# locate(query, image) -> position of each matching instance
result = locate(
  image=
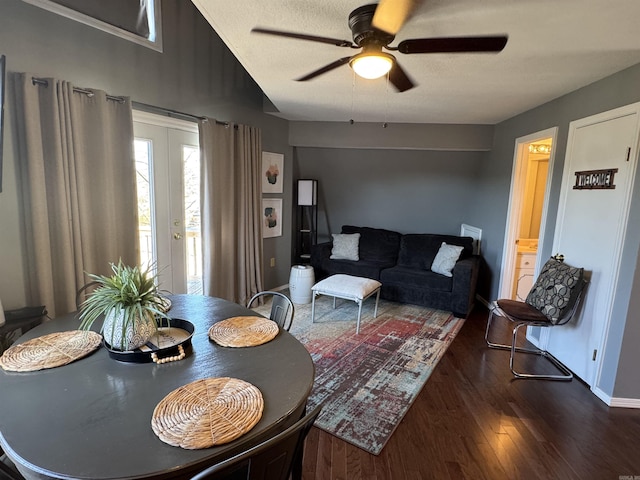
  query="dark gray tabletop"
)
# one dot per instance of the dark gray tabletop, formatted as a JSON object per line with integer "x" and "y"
{"x": 91, "y": 419}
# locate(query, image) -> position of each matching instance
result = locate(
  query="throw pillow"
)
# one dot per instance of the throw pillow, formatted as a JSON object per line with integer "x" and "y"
{"x": 555, "y": 289}
{"x": 446, "y": 259}
{"x": 345, "y": 246}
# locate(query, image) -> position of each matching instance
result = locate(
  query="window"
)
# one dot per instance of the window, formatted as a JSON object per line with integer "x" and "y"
{"x": 136, "y": 20}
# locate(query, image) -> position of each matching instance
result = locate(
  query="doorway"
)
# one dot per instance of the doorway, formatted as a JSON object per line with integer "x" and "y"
{"x": 167, "y": 159}
{"x": 526, "y": 217}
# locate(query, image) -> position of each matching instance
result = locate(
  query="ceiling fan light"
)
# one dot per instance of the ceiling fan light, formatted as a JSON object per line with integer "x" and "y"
{"x": 372, "y": 65}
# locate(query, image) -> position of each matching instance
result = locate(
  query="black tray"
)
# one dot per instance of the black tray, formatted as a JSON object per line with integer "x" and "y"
{"x": 175, "y": 333}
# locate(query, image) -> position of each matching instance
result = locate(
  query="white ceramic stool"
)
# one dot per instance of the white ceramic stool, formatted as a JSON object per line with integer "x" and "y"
{"x": 301, "y": 280}
{"x": 348, "y": 287}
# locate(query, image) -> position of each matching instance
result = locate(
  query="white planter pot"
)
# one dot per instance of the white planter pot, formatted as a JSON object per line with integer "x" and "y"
{"x": 135, "y": 335}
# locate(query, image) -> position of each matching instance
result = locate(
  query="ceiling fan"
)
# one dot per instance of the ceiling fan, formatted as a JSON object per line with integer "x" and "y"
{"x": 374, "y": 27}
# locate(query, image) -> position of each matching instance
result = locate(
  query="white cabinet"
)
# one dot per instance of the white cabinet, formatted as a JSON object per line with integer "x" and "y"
{"x": 523, "y": 279}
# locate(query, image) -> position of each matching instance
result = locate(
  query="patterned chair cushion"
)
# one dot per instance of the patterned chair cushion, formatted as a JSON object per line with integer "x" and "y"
{"x": 556, "y": 289}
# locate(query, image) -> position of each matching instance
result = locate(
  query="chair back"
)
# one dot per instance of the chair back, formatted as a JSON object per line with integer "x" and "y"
{"x": 272, "y": 459}
{"x": 282, "y": 309}
{"x": 84, "y": 291}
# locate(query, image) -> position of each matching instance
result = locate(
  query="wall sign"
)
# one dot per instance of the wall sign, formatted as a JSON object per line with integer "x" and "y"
{"x": 595, "y": 179}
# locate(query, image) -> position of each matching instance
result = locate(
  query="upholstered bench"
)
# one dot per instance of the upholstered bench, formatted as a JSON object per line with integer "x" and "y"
{"x": 348, "y": 287}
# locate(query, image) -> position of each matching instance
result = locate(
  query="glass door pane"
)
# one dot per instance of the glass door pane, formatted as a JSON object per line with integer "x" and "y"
{"x": 144, "y": 174}
{"x": 191, "y": 172}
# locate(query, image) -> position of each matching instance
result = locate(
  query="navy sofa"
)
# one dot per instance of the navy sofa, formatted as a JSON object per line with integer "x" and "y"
{"x": 402, "y": 263}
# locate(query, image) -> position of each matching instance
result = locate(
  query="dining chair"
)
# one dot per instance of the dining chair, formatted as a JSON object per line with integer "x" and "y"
{"x": 82, "y": 292}
{"x": 7, "y": 471}
{"x": 273, "y": 459}
{"x": 552, "y": 302}
{"x": 282, "y": 309}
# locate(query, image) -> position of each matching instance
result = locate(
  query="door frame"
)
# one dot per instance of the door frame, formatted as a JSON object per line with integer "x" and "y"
{"x": 518, "y": 179}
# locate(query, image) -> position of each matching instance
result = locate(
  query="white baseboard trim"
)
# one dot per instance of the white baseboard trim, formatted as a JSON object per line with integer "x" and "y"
{"x": 606, "y": 398}
{"x": 616, "y": 401}
{"x": 625, "y": 402}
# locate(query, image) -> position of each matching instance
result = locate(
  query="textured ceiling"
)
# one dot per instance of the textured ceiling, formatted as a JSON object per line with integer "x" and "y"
{"x": 554, "y": 48}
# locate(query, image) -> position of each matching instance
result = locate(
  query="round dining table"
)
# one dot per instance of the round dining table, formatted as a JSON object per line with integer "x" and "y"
{"x": 91, "y": 419}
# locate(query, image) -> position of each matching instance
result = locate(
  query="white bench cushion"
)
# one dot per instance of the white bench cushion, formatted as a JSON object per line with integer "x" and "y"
{"x": 346, "y": 286}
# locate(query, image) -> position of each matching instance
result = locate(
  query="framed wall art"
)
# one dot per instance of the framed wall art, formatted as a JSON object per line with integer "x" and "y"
{"x": 272, "y": 172}
{"x": 271, "y": 217}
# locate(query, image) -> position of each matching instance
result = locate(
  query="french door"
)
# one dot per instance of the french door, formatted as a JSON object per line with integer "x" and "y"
{"x": 168, "y": 178}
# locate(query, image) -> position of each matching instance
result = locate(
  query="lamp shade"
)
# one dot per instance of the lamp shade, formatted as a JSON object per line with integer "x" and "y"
{"x": 307, "y": 192}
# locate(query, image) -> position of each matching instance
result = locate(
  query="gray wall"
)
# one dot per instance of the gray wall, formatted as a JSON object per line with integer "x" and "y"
{"x": 410, "y": 191}
{"x": 195, "y": 74}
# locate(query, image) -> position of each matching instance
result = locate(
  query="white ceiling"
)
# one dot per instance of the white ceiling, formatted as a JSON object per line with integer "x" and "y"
{"x": 554, "y": 47}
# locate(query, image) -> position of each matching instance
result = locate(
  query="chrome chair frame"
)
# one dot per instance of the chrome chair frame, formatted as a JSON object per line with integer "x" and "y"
{"x": 281, "y": 305}
{"x": 566, "y": 374}
{"x": 273, "y": 459}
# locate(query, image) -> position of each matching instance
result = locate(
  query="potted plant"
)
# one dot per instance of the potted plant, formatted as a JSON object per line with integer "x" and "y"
{"x": 131, "y": 305}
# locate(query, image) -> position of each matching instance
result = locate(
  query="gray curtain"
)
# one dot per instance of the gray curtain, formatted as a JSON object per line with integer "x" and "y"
{"x": 230, "y": 206}
{"x": 78, "y": 186}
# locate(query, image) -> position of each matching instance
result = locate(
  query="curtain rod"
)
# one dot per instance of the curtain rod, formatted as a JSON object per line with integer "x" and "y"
{"x": 140, "y": 105}
{"x": 169, "y": 112}
{"x": 88, "y": 93}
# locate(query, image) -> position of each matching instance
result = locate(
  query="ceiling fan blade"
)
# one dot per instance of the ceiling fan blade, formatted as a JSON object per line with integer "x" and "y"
{"x": 302, "y": 36}
{"x": 453, "y": 44}
{"x": 391, "y": 15}
{"x": 325, "y": 69}
{"x": 399, "y": 78}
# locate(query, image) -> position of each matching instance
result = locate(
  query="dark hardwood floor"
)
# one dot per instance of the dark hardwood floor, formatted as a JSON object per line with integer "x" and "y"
{"x": 473, "y": 420}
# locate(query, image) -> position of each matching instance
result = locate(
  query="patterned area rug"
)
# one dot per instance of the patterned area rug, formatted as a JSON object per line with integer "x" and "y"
{"x": 368, "y": 381}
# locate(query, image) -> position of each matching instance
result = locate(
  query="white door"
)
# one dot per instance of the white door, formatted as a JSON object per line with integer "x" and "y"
{"x": 168, "y": 173}
{"x": 590, "y": 230}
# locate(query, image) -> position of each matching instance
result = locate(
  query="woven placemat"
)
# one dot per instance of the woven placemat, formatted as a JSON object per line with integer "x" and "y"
{"x": 207, "y": 412}
{"x": 243, "y": 331}
{"x": 49, "y": 351}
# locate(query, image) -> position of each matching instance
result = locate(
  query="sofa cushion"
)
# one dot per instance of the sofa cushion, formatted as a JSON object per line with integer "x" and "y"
{"x": 446, "y": 259}
{"x": 361, "y": 268}
{"x": 345, "y": 246}
{"x": 411, "y": 278}
{"x": 376, "y": 244}
{"x": 418, "y": 250}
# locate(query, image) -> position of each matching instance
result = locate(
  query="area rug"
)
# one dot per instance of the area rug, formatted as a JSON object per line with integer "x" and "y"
{"x": 368, "y": 381}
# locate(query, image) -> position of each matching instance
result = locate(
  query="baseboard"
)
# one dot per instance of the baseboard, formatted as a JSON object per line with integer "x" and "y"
{"x": 280, "y": 288}
{"x": 625, "y": 402}
{"x": 616, "y": 401}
